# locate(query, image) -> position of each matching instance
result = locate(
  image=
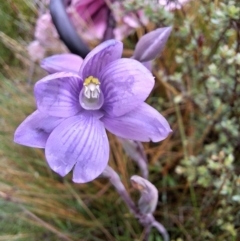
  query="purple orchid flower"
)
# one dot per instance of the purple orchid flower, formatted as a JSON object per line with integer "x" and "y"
{"x": 148, "y": 48}
{"x": 73, "y": 111}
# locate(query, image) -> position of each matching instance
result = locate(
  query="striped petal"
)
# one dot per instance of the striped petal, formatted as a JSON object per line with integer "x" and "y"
{"x": 80, "y": 141}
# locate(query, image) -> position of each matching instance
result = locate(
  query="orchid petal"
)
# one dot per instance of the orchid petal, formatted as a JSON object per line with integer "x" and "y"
{"x": 61, "y": 63}
{"x": 126, "y": 83}
{"x": 142, "y": 124}
{"x": 151, "y": 44}
{"x": 100, "y": 57}
{"x": 35, "y": 129}
{"x": 81, "y": 141}
{"x": 57, "y": 94}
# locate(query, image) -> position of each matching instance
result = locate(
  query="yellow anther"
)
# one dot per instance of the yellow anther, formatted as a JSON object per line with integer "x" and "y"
{"x": 87, "y": 81}
{"x": 95, "y": 81}
{"x": 90, "y": 80}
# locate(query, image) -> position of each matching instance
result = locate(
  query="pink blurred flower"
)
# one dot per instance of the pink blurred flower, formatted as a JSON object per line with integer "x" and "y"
{"x": 127, "y": 22}
{"x": 46, "y": 39}
{"x": 36, "y": 51}
{"x": 45, "y": 31}
{"x": 172, "y": 4}
{"x": 89, "y": 17}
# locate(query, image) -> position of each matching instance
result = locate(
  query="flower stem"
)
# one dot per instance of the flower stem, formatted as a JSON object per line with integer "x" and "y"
{"x": 146, "y": 220}
{"x": 135, "y": 150}
{"x": 142, "y": 161}
{"x": 116, "y": 182}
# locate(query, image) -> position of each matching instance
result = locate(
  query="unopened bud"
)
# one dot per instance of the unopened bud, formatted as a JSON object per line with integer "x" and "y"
{"x": 149, "y": 194}
{"x": 151, "y": 44}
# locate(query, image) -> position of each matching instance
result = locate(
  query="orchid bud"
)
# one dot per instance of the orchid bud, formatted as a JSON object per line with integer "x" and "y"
{"x": 62, "y": 63}
{"x": 149, "y": 194}
{"x": 151, "y": 44}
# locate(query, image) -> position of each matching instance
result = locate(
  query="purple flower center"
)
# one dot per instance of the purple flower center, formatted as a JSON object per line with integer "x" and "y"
{"x": 91, "y": 97}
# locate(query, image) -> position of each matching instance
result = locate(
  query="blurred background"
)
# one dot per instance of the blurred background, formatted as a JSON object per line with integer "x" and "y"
{"x": 196, "y": 169}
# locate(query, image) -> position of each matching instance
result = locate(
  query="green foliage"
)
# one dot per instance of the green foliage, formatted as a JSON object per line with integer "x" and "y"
{"x": 17, "y": 19}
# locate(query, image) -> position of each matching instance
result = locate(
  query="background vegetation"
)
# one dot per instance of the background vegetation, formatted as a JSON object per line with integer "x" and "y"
{"x": 196, "y": 170}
